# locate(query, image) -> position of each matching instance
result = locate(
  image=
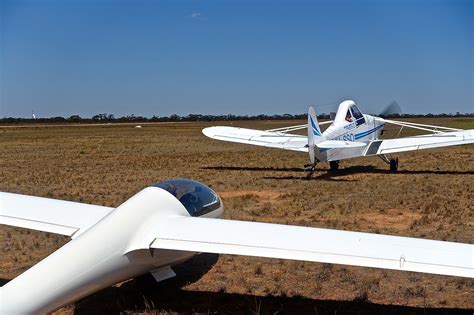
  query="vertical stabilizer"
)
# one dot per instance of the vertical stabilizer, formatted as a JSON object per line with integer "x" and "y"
{"x": 314, "y": 134}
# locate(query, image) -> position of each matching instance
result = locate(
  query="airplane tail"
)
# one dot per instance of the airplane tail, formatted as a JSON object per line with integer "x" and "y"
{"x": 314, "y": 134}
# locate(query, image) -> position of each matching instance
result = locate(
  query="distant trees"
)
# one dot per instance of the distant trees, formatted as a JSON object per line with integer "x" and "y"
{"x": 75, "y": 118}
{"x": 104, "y": 117}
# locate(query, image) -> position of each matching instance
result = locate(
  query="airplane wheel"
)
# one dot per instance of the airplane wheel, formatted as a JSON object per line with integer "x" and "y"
{"x": 334, "y": 165}
{"x": 393, "y": 165}
{"x": 310, "y": 171}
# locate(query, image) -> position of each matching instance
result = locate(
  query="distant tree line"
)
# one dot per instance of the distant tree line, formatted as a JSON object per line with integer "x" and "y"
{"x": 110, "y": 118}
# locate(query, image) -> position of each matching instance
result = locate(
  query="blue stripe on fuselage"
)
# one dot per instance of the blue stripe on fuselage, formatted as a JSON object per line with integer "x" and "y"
{"x": 366, "y": 133}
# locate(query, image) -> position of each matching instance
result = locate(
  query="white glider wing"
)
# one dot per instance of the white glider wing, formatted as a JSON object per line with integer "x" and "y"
{"x": 314, "y": 244}
{"x": 430, "y": 141}
{"x": 49, "y": 215}
{"x": 270, "y": 139}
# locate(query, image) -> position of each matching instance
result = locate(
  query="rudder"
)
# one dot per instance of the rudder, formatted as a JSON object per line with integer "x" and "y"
{"x": 314, "y": 134}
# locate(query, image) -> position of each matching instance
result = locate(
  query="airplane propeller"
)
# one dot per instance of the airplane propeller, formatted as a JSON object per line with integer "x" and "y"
{"x": 391, "y": 109}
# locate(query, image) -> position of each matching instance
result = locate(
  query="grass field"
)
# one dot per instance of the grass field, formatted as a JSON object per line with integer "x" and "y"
{"x": 430, "y": 197}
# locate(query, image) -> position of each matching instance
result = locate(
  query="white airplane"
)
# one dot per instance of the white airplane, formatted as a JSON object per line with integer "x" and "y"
{"x": 351, "y": 134}
{"x": 170, "y": 222}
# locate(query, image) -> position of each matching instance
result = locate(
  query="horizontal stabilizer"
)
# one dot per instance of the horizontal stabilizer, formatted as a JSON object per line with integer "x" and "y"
{"x": 336, "y": 144}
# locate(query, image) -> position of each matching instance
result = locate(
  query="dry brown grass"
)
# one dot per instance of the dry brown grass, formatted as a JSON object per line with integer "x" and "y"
{"x": 431, "y": 197}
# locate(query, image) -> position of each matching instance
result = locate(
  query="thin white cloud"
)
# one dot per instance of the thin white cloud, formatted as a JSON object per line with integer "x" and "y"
{"x": 196, "y": 15}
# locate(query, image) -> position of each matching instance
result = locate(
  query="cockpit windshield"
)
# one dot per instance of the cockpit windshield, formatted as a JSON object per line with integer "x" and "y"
{"x": 198, "y": 199}
{"x": 356, "y": 112}
{"x": 359, "y": 118}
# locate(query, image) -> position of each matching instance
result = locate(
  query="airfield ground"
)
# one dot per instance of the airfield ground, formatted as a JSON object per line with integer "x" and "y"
{"x": 431, "y": 197}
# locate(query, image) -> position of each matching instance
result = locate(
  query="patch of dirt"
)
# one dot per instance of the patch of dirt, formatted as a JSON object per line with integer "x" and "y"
{"x": 272, "y": 196}
{"x": 396, "y": 218}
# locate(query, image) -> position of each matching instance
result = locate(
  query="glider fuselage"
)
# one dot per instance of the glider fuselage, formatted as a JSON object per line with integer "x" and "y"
{"x": 112, "y": 251}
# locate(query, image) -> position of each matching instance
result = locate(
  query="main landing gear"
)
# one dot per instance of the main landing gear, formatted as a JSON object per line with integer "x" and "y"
{"x": 310, "y": 170}
{"x": 334, "y": 165}
{"x": 394, "y": 165}
{"x": 393, "y": 162}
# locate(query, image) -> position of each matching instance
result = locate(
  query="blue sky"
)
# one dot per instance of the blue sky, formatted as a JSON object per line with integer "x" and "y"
{"x": 61, "y": 58}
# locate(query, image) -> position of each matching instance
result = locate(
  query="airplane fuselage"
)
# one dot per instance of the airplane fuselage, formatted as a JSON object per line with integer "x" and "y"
{"x": 103, "y": 252}
{"x": 365, "y": 129}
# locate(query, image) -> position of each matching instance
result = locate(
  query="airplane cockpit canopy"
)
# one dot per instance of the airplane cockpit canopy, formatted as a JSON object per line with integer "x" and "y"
{"x": 349, "y": 112}
{"x": 198, "y": 199}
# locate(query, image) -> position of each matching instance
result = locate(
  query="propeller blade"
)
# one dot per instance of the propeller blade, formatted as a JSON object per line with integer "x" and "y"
{"x": 391, "y": 109}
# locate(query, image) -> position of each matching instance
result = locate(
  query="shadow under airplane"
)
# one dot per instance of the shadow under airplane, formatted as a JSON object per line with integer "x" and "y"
{"x": 327, "y": 174}
{"x": 144, "y": 295}
{"x": 254, "y": 168}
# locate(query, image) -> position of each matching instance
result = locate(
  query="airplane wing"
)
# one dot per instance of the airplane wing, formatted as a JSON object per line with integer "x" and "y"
{"x": 314, "y": 244}
{"x": 430, "y": 141}
{"x": 270, "y": 139}
{"x": 49, "y": 215}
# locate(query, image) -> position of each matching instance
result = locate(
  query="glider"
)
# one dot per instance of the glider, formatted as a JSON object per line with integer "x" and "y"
{"x": 351, "y": 134}
{"x": 170, "y": 222}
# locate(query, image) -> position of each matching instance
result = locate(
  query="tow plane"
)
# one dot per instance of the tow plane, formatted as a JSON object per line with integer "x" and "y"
{"x": 170, "y": 222}
{"x": 350, "y": 134}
